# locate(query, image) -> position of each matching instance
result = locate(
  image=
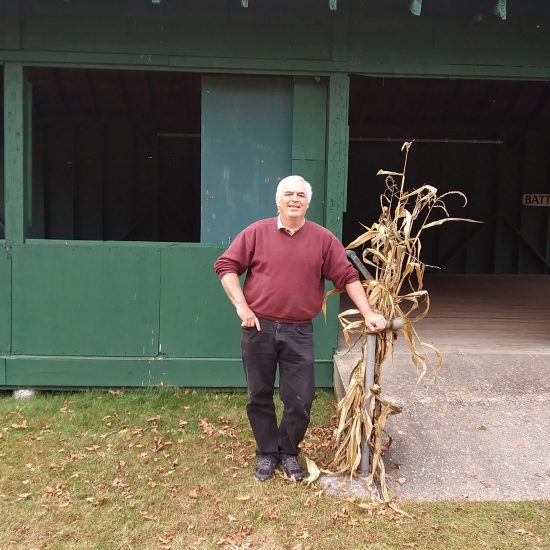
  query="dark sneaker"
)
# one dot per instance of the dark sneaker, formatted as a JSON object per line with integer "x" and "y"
{"x": 265, "y": 466}
{"x": 291, "y": 468}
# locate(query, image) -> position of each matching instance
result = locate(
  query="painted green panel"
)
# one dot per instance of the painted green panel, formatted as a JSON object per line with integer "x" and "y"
{"x": 2, "y": 371}
{"x": 10, "y": 24}
{"x": 196, "y": 318}
{"x": 446, "y": 45}
{"x": 208, "y": 28}
{"x": 246, "y": 151}
{"x": 109, "y": 372}
{"x": 309, "y": 118}
{"x": 5, "y": 300}
{"x": 85, "y": 299}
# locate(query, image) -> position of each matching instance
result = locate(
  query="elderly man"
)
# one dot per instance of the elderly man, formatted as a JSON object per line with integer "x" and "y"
{"x": 286, "y": 260}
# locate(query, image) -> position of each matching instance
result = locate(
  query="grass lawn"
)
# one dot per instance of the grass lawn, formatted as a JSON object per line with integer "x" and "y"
{"x": 172, "y": 469}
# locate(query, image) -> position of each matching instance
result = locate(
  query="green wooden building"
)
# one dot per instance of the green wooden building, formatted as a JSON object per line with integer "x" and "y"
{"x": 140, "y": 136}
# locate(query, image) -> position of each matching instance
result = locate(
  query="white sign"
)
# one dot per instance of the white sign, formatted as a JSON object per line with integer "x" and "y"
{"x": 536, "y": 199}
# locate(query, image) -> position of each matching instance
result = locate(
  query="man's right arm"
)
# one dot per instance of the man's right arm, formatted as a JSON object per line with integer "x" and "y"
{"x": 232, "y": 287}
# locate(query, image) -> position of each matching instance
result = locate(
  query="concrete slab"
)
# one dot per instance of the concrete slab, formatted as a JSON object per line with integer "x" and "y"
{"x": 480, "y": 430}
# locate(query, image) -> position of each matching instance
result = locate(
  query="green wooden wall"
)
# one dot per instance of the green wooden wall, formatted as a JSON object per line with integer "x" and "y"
{"x": 94, "y": 314}
{"x": 107, "y": 313}
{"x": 113, "y": 313}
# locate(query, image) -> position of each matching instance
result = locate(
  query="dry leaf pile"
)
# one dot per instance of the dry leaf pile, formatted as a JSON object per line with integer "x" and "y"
{"x": 392, "y": 248}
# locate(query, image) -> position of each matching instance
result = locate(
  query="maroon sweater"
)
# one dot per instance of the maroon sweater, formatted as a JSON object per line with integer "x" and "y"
{"x": 285, "y": 275}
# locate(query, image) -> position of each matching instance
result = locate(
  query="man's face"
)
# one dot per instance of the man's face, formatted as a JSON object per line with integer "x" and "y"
{"x": 293, "y": 202}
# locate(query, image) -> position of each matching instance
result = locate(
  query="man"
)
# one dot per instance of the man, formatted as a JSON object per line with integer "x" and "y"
{"x": 286, "y": 260}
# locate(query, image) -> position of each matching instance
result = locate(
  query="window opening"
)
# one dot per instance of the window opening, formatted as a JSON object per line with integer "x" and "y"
{"x": 116, "y": 155}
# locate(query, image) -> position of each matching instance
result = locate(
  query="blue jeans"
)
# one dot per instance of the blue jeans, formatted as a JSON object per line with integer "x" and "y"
{"x": 289, "y": 346}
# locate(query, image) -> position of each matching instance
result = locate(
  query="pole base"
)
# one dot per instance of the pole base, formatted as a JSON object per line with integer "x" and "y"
{"x": 345, "y": 485}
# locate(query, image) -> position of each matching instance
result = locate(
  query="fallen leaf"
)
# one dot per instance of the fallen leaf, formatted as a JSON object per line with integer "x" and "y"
{"x": 207, "y": 427}
{"x": 100, "y": 501}
{"x": 22, "y": 426}
{"x": 313, "y": 471}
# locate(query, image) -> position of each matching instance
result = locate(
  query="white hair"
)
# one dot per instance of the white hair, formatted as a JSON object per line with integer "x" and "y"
{"x": 293, "y": 179}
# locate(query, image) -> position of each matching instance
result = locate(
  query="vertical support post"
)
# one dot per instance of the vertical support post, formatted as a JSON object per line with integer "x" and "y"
{"x": 15, "y": 146}
{"x": 500, "y": 9}
{"x": 369, "y": 383}
{"x": 309, "y": 144}
{"x": 415, "y": 7}
{"x": 337, "y": 152}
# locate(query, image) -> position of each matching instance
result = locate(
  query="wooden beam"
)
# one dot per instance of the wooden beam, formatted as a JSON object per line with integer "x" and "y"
{"x": 337, "y": 153}
{"x": 15, "y": 151}
{"x": 500, "y": 9}
{"x": 415, "y": 7}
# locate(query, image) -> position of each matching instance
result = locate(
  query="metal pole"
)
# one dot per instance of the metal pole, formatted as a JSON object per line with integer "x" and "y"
{"x": 369, "y": 383}
{"x": 394, "y": 324}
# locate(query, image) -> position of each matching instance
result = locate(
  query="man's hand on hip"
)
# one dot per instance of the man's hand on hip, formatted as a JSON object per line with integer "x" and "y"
{"x": 247, "y": 316}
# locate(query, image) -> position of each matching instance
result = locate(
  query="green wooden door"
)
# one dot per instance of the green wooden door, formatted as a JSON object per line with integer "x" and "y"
{"x": 246, "y": 151}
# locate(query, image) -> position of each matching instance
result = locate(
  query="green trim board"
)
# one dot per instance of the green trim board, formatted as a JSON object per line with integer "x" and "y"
{"x": 2, "y": 371}
{"x": 15, "y": 151}
{"x": 309, "y": 114}
{"x": 337, "y": 153}
{"x": 5, "y": 300}
{"x": 118, "y": 372}
{"x": 539, "y": 70}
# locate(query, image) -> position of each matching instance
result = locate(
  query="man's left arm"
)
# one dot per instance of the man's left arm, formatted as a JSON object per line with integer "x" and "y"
{"x": 373, "y": 321}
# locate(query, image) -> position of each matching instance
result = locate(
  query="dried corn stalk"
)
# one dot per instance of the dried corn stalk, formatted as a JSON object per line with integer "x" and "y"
{"x": 391, "y": 246}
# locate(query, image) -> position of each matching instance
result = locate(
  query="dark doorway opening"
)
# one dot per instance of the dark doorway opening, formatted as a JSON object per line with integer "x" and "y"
{"x": 487, "y": 138}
